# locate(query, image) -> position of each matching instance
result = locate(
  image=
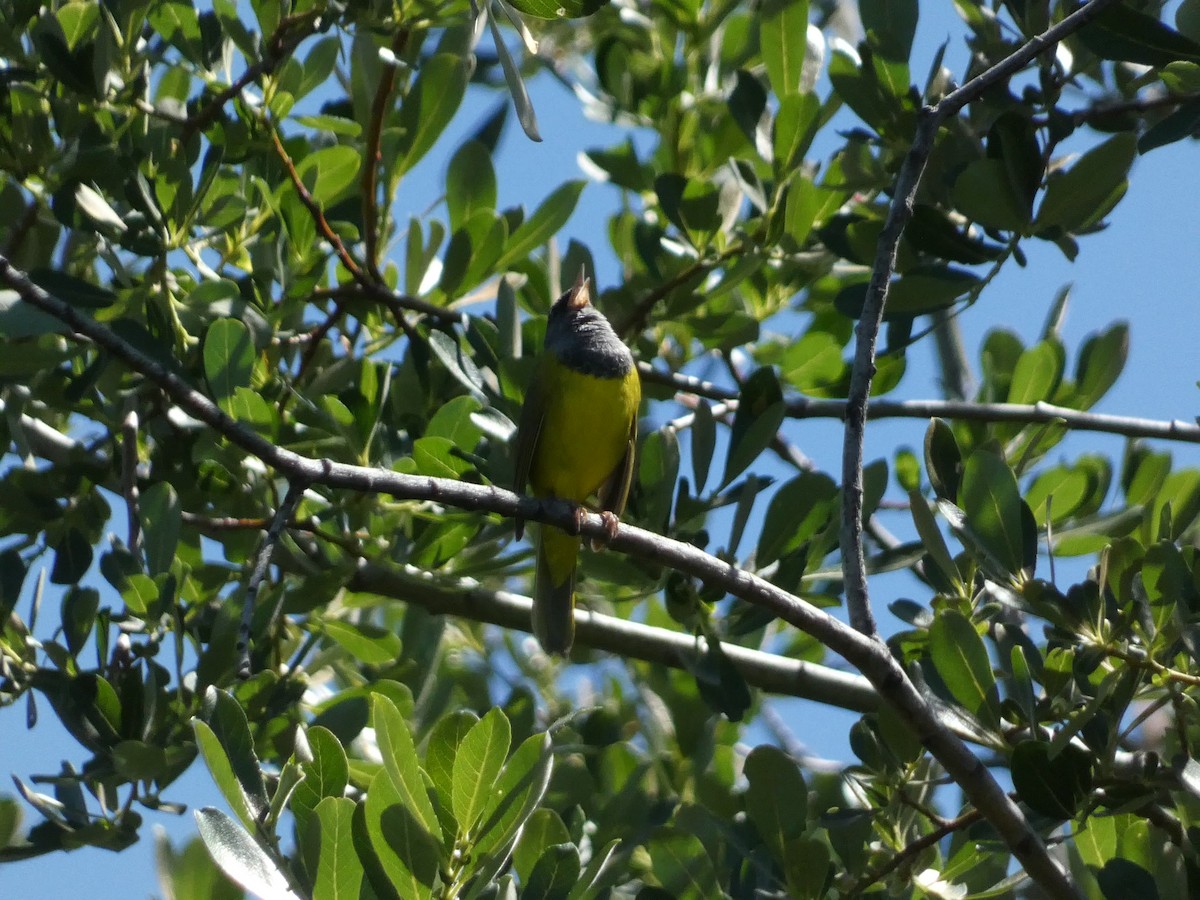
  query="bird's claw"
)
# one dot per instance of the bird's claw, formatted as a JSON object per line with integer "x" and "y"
{"x": 611, "y": 524}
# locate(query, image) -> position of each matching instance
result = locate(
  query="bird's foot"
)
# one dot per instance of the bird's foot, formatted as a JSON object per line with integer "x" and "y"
{"x": 611, "y": 524}
{"x": 579, "y": 514}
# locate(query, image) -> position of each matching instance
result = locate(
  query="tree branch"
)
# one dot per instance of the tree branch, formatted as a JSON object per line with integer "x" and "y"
{"x": 959, "y": 762}
{"x": 283, "y": 515}
{"x": 372, "y": 157}
{"x": 866, "y": 653}
{"x": 960, "y": 410}
{"x": 767, "y": 671}
{"x": 129, "y": 463}
{"x": 318, "y": 215}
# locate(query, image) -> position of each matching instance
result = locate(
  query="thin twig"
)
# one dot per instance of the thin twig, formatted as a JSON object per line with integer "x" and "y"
{"x": 635, "y": 321}
{"x": 373, "y": 156}
{"x": 129, "y": 463}
{"x": 910, "y": 851}
{"x": 287, "y": 35}
{"x": 1136, "y": 105}
{"x": 296, "y": 488}
{"x": 395, "y": 302}
{"x": 318, "y": 215}
{"x": 868, "y": 654}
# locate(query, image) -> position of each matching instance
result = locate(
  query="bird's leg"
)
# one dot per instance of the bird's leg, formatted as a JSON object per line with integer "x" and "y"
{"x": 580, "y": 514}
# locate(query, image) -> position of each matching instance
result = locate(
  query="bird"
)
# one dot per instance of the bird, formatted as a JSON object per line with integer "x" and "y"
{"x": 576, "y": 437}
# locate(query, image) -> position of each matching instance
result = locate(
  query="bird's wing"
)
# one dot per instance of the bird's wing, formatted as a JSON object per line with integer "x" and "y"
{"x": 615, "y": 493}
{"x": 529, "y": 428}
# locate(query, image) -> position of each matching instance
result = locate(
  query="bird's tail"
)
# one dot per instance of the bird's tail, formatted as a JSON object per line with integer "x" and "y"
{"x": 554, "y": 590}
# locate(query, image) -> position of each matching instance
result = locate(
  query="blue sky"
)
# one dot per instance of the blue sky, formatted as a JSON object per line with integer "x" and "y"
{"x": 1143, "y": 269}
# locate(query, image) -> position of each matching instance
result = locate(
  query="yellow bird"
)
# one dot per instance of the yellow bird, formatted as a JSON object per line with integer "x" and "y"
{"x": 577, "y": 437}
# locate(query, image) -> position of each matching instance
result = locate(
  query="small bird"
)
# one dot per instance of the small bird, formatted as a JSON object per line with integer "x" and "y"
{"x": 577, "y": 437}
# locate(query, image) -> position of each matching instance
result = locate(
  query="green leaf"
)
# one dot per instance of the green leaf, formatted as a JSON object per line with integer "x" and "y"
{"x": 515, "y": 82}
{"x": 681, "y": 866}
{"x": 325, "y": 774}
{"x": 72, "y": 557}
{"x": 776, "y": 799}
{"x": 555, "y": 874}
{"x": 1054, "y": 787}
{"x": 428, "y": 107}
{"x": 704, "y": 441}
{"x": 240, "y": 856}
{"x": 1056, "y": 493}
{"x": 984, "y": 194}
{"x": 1123, "y": 33}
{"x": 958, "y": 654}
{"x": 368, "y": 643}
{"x": 1180, "y": 124}
{"x": 759, "y": 414}
{"x": 477, "y": 764}
{"x": 783, "y": 37}
{"x": 79, "y": 608}
{"x": 931, "y": 538}
{"x": 191, "y": 874}
{"x": 228, "y": 359}
{"x": 75, "y": 291}
{"x": 890, "y": 26}
{"x": 923, "y": 289}
{"x": 551, "y": 216}
{"x": 550, "y": 9}
{"x": 943, "y": 460}
{"x": 405, "y": 849}
{"x": 12, "y": 577}
{"x": 1038, "y": 373}
{"x": 518, "y": 791}
{"x": 801, "y": 508}
{"x": 1080, "y": 197}
{"x": 339, "y": 873}
{"x": 1101, "y": 361}
{"x": 226, "y": 721}
{"x": 441, "y": 751}
{"x": 329, "y": 172}
{"x": 600, "y": 874}
{"x": 992, "y": 502}
{"x": 400, "y": 762}
{"x": 161, "y": 524}
{"x": 543, "y": 830}
{"x": 470, "y": 183}
{"x": 439, "y": 457}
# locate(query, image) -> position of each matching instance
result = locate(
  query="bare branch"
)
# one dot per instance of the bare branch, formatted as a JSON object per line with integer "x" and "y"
{"x": 283, "y": 514}
{"x": 960, "y": 410}
{"x": 633, "y": 640}
{"x": 129, "y": 463}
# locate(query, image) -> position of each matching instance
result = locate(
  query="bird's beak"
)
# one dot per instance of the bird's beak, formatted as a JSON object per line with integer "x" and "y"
{"x": 581, "y": 292}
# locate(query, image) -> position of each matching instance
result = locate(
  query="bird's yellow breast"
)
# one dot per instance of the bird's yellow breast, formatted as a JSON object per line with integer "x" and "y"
{"x": 585, "y": 430}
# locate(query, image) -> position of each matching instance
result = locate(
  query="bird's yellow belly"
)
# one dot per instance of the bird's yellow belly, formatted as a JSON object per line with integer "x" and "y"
{"x": 584, "y": 433}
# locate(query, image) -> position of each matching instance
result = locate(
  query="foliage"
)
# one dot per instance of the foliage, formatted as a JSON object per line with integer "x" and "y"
{"x": 217, "y": 189}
